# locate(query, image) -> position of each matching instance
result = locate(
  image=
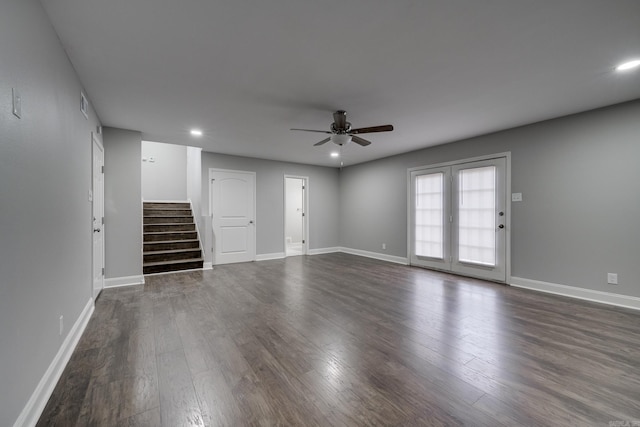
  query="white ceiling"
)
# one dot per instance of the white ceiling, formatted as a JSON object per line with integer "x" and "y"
{"x": 245, "y": 71}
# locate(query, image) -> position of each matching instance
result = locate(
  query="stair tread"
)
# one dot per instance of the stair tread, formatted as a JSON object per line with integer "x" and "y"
{"x": 173, "y": 223}
{"x": 171, "y": 251}
{"x": 171, "y": 241}
{"x": 170, "y": 232}
{"x": 167, "y": 208}
{"x": 177, "y": 261}
{"x": 165, "y": 216}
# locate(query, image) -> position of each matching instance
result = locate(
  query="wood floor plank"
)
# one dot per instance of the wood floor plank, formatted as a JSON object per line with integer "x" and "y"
{"x": 341, "y": 340}
{"x": 178, "y": 401}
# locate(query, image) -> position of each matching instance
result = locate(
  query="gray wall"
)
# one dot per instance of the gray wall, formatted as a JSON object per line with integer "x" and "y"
{"x": 580, "y": 180}
{"x": 45, "y": 214}
{"x": 164, "y": 178}
{"x": 323, "y": 200}
{"x": 194, "y": 185}
{"x": 122, "y": 203}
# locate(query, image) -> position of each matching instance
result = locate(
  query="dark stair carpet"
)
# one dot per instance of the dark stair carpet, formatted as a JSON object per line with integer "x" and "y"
{"x": 171, "y": 240}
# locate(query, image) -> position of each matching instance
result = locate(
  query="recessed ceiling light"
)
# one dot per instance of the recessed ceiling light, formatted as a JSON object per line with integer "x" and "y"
{"x": 628, "y": 65}
{"x": 196, "y": 132}
{"x": 335, "y": 154}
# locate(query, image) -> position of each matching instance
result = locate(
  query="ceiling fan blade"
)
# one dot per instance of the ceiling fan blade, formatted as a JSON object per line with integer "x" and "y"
{"x": 360, "y": 141}
{"x": 340, "y": 119}
{"x": 324, "y": 141}
{"x": 313, "y": 130}
{"x": 383, "y": 128}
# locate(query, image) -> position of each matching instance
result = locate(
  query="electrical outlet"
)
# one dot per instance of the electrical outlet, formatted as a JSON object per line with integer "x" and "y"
{"x": 61, "y": 325}
{"x": 516, "y": 197}
{"x": 384, "y": 246}
{"x": 612, "y": 278}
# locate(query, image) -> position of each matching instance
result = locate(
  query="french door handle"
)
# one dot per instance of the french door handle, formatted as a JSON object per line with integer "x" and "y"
{"x": 96, "y": 230}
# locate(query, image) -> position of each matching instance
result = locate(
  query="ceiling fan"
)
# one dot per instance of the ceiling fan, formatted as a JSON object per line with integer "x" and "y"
{"x": 341, "y": 132}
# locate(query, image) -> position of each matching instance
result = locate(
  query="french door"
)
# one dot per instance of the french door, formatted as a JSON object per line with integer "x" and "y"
{"x": 458, "y": 218}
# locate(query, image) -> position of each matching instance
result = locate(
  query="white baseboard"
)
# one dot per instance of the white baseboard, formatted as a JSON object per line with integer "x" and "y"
{"x": 321, "y": 251}
{"x": 579, "y": 293}
{"x": 267, "y": 257}
{"x": 38, "y": 400}
{"x": 117, "y": 282}
{"x": 376, "y": 255}
{"x": 207, "y": 266}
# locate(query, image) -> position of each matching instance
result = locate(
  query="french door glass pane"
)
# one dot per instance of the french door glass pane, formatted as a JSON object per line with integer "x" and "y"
{"x": 477, "y": 219}
{"x": 429, "y": 215}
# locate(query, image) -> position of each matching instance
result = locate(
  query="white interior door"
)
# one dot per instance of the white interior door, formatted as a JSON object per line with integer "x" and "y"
{"x": 97, "y": 195}
{"x": 458, "y": 218}
{"x": 233, "y": 216}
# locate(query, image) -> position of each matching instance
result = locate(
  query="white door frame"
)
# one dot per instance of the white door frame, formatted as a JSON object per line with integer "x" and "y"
{"x": 98, "y": 223}
{"x": 305, "y": 217}
{"x": 212, "y": 171}
{"x": 507, "y": 157}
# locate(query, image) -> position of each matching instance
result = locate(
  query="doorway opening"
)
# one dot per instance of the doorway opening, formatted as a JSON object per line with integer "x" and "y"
{"x": 296, "y": 191}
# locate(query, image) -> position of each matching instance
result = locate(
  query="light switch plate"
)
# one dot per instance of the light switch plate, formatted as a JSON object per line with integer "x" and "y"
{"x": 516, "y": 197}
{"x": 17, "y": 103}
{"x": 612, "y": 278}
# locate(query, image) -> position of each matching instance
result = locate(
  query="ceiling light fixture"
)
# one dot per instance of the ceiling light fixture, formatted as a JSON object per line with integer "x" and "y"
{"x": 196, "y": 132}
{"x": 335, "y": 154}
{"x": 341, "y": 139}
{"x": 628, "y": 65}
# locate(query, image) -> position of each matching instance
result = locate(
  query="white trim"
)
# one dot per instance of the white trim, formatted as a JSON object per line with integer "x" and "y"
{"x": 376, "y": 255}
{"x": 267, "y": 257}
{"x": 579, "y": 293}
{"x": 117, "y": 282}
{"x": 207, "y": 266}
{"x": 195, "y": 221}
{"x": 321, "y": 251}
{"x": 38, "y": 400}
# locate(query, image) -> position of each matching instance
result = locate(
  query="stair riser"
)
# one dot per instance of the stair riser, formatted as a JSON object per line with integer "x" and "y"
{"x": 168, "y": 219}
{"x": 164, "y": 246}
{"x": 169, "y": 227}
{"x": 152, "y": 205}
{"x": 165, "y": 212}
{"x": 170, "y": 236}
{"x": 150, "y": 257}
{"x": 172, "y": 267}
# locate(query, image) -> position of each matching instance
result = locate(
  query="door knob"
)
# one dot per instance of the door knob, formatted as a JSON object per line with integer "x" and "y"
{"x": 501, "y": 226}
{"x": 251, "y": 222}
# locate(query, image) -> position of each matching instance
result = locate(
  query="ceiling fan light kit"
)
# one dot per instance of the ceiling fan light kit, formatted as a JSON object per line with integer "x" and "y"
{"x": 341, "y": 132}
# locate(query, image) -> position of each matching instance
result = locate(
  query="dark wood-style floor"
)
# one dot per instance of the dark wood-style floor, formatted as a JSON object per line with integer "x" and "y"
{"x": 335, "y": 340}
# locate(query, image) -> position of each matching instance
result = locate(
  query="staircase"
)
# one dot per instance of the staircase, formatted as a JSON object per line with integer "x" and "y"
{"x": 171, "y": 240}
